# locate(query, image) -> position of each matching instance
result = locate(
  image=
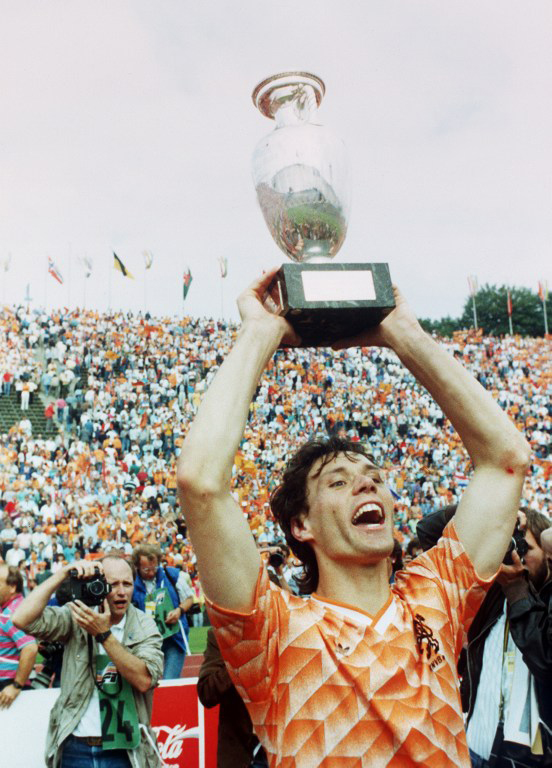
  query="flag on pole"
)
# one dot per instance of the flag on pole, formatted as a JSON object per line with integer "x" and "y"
{"x": 187, "y": 282}
{"x": 223, "y": 264}
{"x": 7, "y": 262}
{"x": 54, "y": 271}
{"x": 472, "y": 282}
{"x": 118, "y": 264}
{"x": 509, "y": 304}
{"x": 543, "y": 290}
{"x": 86, "y": 262}
{"x": 148, "y": 259}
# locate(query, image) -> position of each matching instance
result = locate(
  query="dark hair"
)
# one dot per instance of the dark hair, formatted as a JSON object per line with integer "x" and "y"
{"x": 14, "y": 578}
{"x": 397, "y": 556}
{"x": 412, "y": 545}
{"x": 536, "y": 523}
{"x": 289, "y": 499}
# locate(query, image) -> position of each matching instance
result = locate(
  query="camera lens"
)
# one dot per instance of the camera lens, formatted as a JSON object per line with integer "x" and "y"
{"x": 96, "y": 587}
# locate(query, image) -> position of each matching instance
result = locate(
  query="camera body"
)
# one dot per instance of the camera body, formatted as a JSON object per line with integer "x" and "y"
{"x": 517, "y": 543}
{"x": 52, "y": 653}
{"x": 92, "y": 591}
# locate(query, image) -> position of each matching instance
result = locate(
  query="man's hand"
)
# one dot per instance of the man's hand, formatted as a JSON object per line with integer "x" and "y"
{"x": 173, "y": 616}
{"x": 398, "y": 322}
{"x": 86, "y": 569}
{"x": 94, "y": 623}
{"x": 251, "y": 308}
{"x": 508, "y": 574}
{"x": 8, "y": 696}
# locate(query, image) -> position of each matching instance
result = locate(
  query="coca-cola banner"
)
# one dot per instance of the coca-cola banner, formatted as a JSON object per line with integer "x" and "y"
{"x": 186, "y": 731}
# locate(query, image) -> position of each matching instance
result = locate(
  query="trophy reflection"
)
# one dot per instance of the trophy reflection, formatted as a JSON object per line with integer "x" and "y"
{"x": 302, "y": 181}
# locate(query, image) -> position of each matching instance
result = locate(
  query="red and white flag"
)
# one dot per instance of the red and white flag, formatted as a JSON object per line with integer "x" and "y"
{"x": 54, "y": 271}
{"x": 509, "y": 304}
{"x": 543, "y": 290}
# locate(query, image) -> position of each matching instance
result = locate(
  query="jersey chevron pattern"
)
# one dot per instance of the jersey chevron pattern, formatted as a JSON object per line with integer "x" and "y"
{"x": 328, "y": 685}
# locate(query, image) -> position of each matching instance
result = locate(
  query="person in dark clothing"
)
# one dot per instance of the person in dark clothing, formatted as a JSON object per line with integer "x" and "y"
{"x": 238, "y": 747}
{"x": 514, "y": 620}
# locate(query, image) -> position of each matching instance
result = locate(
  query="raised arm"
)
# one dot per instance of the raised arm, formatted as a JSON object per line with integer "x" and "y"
{"x": 228, "y": 560}
{"x": 487, "y": 511}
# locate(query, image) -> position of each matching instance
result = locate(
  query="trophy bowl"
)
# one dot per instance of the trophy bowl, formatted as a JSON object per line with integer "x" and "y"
{"x": 302, "y": 180}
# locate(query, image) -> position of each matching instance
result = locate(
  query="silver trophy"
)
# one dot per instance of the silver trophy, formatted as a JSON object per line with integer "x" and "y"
{"x": 302, "y": 181}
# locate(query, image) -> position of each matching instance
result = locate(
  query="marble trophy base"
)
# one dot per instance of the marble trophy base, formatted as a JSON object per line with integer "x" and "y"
{"x": 327, "y": 302}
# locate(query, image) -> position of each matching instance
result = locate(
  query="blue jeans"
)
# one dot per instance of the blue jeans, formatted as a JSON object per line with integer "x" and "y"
{"x": 174, "y": 659}
{"x": 77, "y": 754}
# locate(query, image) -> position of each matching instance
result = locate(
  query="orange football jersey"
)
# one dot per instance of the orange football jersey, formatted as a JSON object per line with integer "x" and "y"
{"x": 329, "y": 685}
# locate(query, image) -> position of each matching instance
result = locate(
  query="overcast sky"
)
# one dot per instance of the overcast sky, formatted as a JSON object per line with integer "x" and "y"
{"x": 129, "y": 125}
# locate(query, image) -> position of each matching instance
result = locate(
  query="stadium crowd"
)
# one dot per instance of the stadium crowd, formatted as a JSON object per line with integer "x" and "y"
{"x": 96, "y": 475}
{"x": 119, "y": 391}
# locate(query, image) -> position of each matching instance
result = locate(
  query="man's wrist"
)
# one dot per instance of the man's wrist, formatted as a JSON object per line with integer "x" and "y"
{"x": 273, "y": 334}
{"x": 406, "y": 339}
{"x": 17, "y": 685}
{"x": 101, "y": 637}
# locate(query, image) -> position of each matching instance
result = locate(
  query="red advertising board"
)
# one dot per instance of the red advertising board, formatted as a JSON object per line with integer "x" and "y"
{"x": 186, "y": 732}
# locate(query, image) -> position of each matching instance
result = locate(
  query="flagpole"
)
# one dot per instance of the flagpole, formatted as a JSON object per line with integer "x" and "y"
{"x": 510, "y": 324}
{"x": 472, "y": 282}
{"x": 109, "y": 291}
{"x": 6, "y": 268}
{"x": 544, "y": 313}
{"x": 69, "y": 280}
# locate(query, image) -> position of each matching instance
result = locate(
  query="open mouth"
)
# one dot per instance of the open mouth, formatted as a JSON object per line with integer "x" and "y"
{"x": 369, "y": 515}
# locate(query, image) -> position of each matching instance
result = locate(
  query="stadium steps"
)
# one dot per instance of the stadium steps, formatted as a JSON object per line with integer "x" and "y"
{"x": 11, "y": 413}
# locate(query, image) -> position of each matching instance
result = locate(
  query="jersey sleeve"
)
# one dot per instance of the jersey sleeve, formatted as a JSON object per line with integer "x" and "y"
{"x": 460, "y": 591}
{"x": 249, "y": 641}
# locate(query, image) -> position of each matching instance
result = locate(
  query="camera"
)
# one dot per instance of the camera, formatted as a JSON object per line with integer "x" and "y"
{"x": 517, "y": 542}
{"x": 52, "y": 653}
{"x": 91, "y": 591}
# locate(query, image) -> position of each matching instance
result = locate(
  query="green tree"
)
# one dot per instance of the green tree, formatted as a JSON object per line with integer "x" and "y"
{"x": 444, "y": 327}
{"x": 492, "y": 312}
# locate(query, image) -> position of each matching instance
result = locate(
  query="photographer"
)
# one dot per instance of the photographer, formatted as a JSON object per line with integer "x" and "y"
{"x": 112, "y": 662}
{"x": 277, "y": 555}
{"x": 509, "y": 641}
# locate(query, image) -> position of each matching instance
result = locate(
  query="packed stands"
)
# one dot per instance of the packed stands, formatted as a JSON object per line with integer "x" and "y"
{"x": 94, "y": 407}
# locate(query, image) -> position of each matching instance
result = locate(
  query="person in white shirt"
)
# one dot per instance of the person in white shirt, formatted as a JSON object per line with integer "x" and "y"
{"x": 15, "y": 555}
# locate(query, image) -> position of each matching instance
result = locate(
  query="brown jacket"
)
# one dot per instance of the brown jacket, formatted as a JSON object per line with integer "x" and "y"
{"x": 236, "y": 740}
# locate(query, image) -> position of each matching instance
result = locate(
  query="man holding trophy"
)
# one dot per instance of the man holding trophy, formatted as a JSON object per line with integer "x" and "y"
{"x": 357, "y": 673}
